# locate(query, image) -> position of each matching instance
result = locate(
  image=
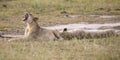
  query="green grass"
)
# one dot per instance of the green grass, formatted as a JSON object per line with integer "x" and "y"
{"x": 72, "y": 6}
{"x": 86, "y": 49}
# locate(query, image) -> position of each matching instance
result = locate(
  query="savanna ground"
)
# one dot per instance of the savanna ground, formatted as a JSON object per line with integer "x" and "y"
{"x": 49, "y": 13}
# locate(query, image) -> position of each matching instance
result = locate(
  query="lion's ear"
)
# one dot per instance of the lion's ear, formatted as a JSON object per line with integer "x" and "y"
{"x": 65, "y": 29}
{"x": 35, "y": 18}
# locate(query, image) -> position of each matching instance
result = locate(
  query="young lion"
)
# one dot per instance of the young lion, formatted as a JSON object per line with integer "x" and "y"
{"x": 34, "y": 31}
{"x": 80, "y": 34}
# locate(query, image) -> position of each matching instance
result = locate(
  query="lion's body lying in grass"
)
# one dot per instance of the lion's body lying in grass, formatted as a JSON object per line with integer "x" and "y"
{"x": 80, "y": 34}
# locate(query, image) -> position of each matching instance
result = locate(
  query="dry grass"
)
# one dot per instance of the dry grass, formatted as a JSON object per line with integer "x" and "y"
{"x": 92, "y": 49}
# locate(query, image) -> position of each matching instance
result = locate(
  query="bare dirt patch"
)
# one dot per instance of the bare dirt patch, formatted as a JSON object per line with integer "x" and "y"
{"x": 87, "y": 26}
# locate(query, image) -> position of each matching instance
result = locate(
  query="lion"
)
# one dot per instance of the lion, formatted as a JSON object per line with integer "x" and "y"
{"x": 81, "y": 34}
{"x": 101, "y": 34}
{"x": 34, "y": 31}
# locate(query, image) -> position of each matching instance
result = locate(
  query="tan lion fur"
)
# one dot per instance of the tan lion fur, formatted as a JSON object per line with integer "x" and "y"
{"x": 34, "y": 31}
{"x": 80, "y": 34}
{"x": 70, "y": 35}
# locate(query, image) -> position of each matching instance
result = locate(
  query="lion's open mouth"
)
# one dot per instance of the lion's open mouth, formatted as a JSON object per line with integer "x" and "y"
{"x": 26, "y": 17}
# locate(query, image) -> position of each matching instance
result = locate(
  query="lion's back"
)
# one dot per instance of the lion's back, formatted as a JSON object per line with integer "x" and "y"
{"x": 46, "y": 34}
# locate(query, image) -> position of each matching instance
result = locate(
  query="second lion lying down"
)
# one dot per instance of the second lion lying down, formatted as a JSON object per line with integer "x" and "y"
{"x": 81, "y": 34}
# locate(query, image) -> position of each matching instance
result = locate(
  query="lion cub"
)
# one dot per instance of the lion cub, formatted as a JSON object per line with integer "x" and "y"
{"x": 80, "y": 34}
{"x": 34, "y": 31}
